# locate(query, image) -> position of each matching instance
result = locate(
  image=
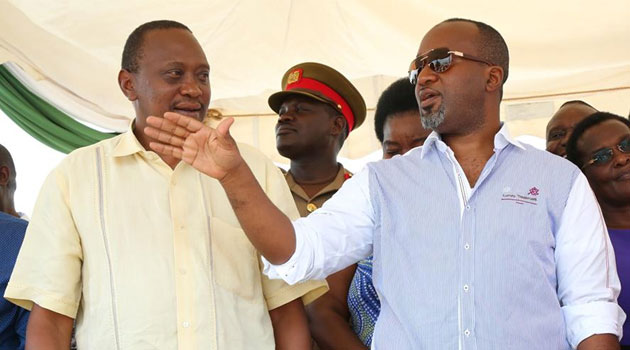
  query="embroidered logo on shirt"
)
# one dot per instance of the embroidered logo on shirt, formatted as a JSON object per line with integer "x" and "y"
{"x": 529, "y": 198}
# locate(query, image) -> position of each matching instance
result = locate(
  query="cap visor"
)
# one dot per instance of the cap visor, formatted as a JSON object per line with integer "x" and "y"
{"x": 275, "y": 100}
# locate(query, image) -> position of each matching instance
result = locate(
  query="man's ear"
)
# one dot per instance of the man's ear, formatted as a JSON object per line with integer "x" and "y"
{"x": 495, "y": 78}
{"x": 126, "y": 82}
{"x": 338, "y": 125}
{"x": 5, "y": 175}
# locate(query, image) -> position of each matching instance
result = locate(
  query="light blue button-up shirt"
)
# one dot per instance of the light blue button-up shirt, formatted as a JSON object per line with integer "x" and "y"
{"x": 520, "y": 261}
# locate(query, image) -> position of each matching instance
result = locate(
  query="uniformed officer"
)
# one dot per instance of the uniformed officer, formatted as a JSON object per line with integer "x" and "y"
{"x": 317, "y": 109}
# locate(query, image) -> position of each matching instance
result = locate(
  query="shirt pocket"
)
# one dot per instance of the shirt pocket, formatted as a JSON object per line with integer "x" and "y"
{"x": 234, "y": 260}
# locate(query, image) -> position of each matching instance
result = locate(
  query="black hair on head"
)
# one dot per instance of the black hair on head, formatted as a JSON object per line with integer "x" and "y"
{"x": 132, "y": 53}
{"x": 399, "y": 97}
{"x": 573, "y": 153}
{"x": 492, "y": 46}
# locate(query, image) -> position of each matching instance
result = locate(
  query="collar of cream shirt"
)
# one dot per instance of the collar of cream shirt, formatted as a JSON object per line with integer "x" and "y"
{"x": 501, "y": 140}
{"x": 128, "y": 143}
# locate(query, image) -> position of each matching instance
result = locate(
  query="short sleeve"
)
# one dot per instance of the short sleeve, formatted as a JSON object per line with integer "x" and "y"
{"x": 48, "y": 268}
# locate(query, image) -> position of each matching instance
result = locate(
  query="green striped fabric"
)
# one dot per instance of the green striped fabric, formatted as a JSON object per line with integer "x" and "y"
{"x": 41, "y": 120}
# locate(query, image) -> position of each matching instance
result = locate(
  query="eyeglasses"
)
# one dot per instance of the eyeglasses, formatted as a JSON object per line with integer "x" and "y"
{"x": 439, "y": 60}
{"x": 604, "y": 156}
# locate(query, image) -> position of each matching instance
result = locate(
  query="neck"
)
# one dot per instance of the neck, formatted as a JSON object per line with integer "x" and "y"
{"x": 472, "y": 150}
{"x": 138, "y": 131}
{"x": 314, "y": 171}
{"x": 6, "y": 206}
{"x": 616, "y": 217}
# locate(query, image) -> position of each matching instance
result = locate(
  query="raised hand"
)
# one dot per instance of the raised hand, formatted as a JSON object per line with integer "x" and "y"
{"x": 211, "y": 151}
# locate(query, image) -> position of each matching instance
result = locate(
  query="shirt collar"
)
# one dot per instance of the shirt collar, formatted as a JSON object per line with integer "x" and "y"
{"x": 501, "y": 140}
{"x": 128, "y": 143}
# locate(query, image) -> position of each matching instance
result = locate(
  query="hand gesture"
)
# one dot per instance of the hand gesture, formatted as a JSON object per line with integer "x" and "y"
{"x": 211, "y": 151}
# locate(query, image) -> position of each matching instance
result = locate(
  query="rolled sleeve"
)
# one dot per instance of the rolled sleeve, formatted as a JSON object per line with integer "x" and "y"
{"x": 588, "y": 284}
{"x": 48, "y": 268}
{"x": 331, "y": 238}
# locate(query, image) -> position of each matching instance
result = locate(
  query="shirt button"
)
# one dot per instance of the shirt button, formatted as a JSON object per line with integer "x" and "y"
{"x": 466, "y": 288}
{"x": 185, "y": 324}
{"x": 311, "y": 207}
{"x": 467, "y": 332}
{"x": 466, "y": 246}
{"x": 468, "y": 207}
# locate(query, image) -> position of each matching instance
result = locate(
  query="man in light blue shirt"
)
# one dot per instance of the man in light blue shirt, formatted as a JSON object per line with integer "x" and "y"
{"x": 479, "y": 242}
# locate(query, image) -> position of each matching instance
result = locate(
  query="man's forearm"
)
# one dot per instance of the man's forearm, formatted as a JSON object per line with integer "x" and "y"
{"x": 269, "y": 230}
{"x": 290, "y": 328}
{"x": 600, "y": 342}
{"x": 48, "y": 330}
{"x": 331, "y": 331}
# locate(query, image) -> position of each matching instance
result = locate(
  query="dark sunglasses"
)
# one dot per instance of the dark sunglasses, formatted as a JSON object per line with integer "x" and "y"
{"x": 439, "y": 60}
{"x": 604, "y": 156}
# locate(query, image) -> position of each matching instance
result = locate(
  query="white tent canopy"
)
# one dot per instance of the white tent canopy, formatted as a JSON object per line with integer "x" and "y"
{"x": 560, "y": 50}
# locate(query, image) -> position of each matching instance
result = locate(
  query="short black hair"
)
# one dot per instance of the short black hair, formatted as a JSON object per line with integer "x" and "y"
{"x": 492, "y": 46}
{"x": 133, "y": 46}
{"x": 580, "y": 102}
{"x": 399, "y": 97}
{"x": 573, "y": 153}
{"x": 7, "y": 160}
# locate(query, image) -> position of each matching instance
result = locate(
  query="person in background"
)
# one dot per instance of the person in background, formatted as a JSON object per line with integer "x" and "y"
{"x": 561, "y": 125}
{"x": 143, "y": 251}
{"x": 600, "y": 146}
{"x": 317, "y": 108}
{"x": 13, "y": 319}
{"x": 8, "y": 185}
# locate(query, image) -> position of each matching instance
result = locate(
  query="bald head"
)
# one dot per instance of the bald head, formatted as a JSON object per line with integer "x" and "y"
{"x": 489, "y": 43}
{"x": 7, "y": 169}
{"x": 561, "y": 125}
{"x": 7, "y": 182}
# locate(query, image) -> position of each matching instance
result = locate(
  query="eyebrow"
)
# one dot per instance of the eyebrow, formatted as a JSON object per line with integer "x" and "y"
{"x": 181, "y": 64}
{"x": 390, "y": 143}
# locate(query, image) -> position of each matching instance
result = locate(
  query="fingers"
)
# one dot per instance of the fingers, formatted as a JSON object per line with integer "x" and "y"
{"x": 188, "y": 123}
{"x": 163, "y": 136}
{"x": 166, "y": 150}
{"x": 167, "y": 126}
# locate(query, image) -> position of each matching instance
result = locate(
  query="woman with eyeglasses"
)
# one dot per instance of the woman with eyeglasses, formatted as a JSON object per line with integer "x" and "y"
{"x": 600, "y": 146}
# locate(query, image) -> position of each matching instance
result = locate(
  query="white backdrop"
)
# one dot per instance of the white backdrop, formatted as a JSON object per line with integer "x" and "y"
{"x": 560, "y": 50}
{"x": 68, "y": 52}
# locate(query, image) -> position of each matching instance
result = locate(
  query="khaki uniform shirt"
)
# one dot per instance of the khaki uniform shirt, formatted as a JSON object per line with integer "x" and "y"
{"x": 307, "y": 205}
{"x": 149, "y": 257}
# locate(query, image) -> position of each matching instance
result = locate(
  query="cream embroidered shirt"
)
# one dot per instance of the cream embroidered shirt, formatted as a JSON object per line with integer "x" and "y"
{"x": 149, "y": 257}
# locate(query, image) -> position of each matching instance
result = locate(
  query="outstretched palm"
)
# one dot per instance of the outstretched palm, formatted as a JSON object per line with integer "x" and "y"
{"x": 211, "y": 151}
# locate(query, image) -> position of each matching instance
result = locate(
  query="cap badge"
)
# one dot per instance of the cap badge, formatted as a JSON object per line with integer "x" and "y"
{"x": 294, "y": 76}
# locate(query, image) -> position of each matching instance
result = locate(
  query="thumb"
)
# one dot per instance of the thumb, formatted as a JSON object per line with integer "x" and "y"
{"x": 223, "y": 131}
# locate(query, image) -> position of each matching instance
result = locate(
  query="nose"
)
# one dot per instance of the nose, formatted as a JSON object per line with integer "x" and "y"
{"x": 426, "y": 76}
{"x": 620, "y": 158}
{"x": 565, "y": 139}
{"x": 190, "y": 87}
{"x": 285, "y": 115}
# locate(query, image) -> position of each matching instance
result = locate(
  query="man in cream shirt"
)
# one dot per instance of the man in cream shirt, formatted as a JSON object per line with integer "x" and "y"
{"x": 144, "y": 251}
